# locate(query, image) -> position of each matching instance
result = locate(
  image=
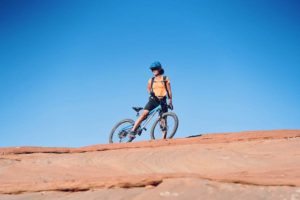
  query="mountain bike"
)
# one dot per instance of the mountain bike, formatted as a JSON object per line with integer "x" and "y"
{"x": 164, "y": 126}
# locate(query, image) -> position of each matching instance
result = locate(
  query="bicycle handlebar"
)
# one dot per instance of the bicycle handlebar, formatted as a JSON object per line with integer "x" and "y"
{"x": 171, "y": 106}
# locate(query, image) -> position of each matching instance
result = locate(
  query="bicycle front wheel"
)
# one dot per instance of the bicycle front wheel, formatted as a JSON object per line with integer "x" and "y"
{"x": 165, "y": 127}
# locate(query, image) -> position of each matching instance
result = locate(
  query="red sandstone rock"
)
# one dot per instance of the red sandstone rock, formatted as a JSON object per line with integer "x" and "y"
{"x": 264, "y": 162}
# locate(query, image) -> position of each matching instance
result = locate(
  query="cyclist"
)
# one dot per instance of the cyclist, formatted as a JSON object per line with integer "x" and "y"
{"x": 159, "y": 88}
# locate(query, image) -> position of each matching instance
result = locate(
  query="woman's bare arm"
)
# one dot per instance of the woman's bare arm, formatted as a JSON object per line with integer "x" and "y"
{"x": 169, "y": 89}
{"x": 149, "y": 86}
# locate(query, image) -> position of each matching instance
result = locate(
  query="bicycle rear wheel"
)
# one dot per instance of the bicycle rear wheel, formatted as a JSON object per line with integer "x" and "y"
{"x": 119, "y": 133}
{"x": 165, "y": 126}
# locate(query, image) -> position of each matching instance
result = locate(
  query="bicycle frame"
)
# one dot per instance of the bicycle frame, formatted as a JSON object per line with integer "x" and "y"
{"x": 150, "y": 116}
{"x": 146, "y": 121}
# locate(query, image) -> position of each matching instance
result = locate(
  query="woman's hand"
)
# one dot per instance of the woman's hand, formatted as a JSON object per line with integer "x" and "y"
{"x": 152, "y": 94}
{"x": 170, "y": 103}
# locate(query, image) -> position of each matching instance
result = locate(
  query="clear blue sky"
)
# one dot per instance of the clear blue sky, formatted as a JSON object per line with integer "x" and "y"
{"x": 71, "y": 69}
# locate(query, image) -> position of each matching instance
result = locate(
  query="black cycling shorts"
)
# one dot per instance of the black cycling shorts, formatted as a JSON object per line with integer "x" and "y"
{"x": 154, "y": 102}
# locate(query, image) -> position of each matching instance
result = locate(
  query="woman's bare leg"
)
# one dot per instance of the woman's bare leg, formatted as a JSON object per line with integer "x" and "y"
{"x": 163, "y": 125}
{"x": 140, "y": 119}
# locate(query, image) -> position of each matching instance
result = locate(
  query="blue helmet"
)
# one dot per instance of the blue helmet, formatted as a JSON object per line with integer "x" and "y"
{"x": 156, "y": 65}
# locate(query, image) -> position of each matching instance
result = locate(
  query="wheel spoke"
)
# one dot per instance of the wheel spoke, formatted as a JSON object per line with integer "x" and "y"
{"x": 165, "y": 127}
{"x": 119, "y": 133}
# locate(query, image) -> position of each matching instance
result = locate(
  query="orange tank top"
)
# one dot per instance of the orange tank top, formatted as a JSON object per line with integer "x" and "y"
{"x": 158, "y": 87}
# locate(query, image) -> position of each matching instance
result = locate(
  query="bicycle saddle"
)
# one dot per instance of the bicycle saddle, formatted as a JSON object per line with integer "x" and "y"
{"x": 137, "y": 109}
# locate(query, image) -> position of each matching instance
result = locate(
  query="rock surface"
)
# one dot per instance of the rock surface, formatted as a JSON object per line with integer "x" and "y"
{"x": 246, "y": 165}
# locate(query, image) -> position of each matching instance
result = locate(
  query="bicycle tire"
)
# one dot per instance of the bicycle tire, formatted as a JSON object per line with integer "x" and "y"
{"x": 116, "y": 126}
{"x": 175, "y": 125}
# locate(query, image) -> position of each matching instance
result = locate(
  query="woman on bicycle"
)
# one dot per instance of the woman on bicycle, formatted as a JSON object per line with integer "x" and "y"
{"x": 159, "y": 88}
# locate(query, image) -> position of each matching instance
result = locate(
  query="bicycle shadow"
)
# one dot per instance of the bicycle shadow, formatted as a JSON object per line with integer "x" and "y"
{"x": 192, "y": 136}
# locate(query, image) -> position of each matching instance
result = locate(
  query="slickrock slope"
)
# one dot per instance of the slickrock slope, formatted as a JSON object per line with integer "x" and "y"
{"x": 246, "y": 165}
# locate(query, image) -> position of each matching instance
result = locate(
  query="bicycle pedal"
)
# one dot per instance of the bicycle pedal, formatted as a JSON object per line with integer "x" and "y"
{"x": 139, "y": 132}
